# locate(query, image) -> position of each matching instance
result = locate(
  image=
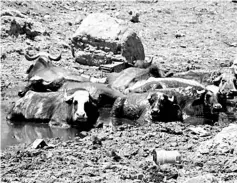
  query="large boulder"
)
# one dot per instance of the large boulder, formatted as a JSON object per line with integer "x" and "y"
{"x": 223, "y": 142}
{"x": 14, "y": 23}
{"x": 101, "y": 39}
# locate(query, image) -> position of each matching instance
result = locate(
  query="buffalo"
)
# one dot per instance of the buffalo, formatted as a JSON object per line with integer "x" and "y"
{"x": 143, "y": 63}
{"x": 227, "y": 83}
{"x": 59, "y": 109}
{"x": 101, "y": 93}
{"x": 128, "y": 77}
{"x": 198, "y": 106}
{"x": 199, "y": 75}
{"x": 146, "y": 108}
{"x": 161, "y": 83}
{"x": 43, "y": 75}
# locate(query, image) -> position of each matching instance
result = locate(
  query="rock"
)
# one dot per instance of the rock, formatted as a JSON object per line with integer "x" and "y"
{"x": 135, "y": 18}
{"x": 46, "y": 17}
{"x": 16, "y": 26}
{"x": 79, "y": 19}
{"x": 3, "y": 53}
{"x": 208, "y": 178}
{"x": 223, "y": 142}
{"x": 95, "y": 140}
{"x": 39, "y": 143}
{"x": 179, "y": 34}
{"x": 101, "y": 39}
{"x": 13, "y": 13}
{"x": 200, "y": 131}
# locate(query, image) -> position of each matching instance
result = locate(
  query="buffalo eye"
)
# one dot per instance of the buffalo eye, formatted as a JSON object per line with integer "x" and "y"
{"x": 208, "y": 96}
{"x": 223, "y": 81}
{"x": 235, "y": 83}
{"x": 29, "y": 69}
{"x": 75, "y": 102}
{"x": 151, "y": 98}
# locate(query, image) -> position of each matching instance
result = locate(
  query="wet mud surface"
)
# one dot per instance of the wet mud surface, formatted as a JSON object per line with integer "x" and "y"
{"x": 180, "y": 35}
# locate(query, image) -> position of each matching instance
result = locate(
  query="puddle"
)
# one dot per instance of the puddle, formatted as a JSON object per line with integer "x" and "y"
{"x": 27, "y": 132}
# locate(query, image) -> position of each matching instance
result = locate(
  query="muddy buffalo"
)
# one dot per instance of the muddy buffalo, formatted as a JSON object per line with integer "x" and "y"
{"x": 227, "y": 83}
{"x": 59, "y": 109}
{"x": 43, "y": 75}
{"x": 143, "y": 63}
{"x": 128, "y": 77}
{"x": 198, "y": 106}
{"x": 145, "y": 108}
{"x": 101, "y": 93}
{"x": 161, "y": 83}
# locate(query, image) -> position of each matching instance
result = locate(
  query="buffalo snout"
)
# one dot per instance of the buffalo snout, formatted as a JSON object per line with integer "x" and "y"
{"x": 217, "y": 106}
{"x": 78, "y": 100}
{"x": 80, "y": 115}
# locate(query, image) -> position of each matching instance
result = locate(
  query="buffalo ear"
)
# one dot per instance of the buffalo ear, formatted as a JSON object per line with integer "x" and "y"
{"x": 172, "y": 98}
{"x": 29, "y": 69}
{"x": 91, "y": 99}
{"x": 69, "y": 101}
{"x": 201, "y": 92}
{"x": 217, "y": 80}
{"x": 151, "y": 97}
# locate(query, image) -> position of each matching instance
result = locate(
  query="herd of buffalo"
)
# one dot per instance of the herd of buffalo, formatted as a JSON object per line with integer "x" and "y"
{"x": 141, "y": 93}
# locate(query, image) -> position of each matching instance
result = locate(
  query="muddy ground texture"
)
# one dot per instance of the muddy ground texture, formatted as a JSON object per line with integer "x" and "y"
{"x": 180, "y": 35}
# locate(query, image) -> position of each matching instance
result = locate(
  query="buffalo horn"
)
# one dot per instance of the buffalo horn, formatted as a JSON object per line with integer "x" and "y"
{"x": 55, "y": 59}
{"x": 66, "y": 97}
{"x": 30, "y": 58}
{"x": 73, "y": 51}
{"x": 200, "y": 92}
{"x": 150, "y": 61}
{"x": 171, "y": 98}
{"x": 218, "y": 79}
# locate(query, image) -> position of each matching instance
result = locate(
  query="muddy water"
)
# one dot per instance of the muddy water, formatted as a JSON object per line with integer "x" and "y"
{"x": 27, "y": 132}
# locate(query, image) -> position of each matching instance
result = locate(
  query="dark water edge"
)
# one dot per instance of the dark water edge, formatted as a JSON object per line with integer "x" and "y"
{"x": 27, "y": 132}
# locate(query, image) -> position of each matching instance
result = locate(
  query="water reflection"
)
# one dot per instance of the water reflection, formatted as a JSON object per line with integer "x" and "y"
{"x": 28, "y": 132}
{"x": 23, "y": 132}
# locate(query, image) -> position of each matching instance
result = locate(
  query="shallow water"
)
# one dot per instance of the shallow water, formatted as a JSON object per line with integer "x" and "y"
{"x": 27, "y": 132}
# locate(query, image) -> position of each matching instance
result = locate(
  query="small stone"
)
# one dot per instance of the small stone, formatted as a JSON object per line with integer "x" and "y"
{"x": 64, "y": 144}
{"x": 81, "y": 71}
{"x": 140, "y": 176}
{"x": 203, "y": 178}
{"x": 46, "y": 17}
{"x": 179, "y": 35}
{"x": 135, "y": 18}
{"x": 84, "y": 133}
{"x": 95, "y": 140}
{"x": 39, "y": 143}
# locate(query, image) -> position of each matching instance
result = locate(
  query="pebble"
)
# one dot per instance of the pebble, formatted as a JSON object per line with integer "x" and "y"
{"x": 39, "y": 143}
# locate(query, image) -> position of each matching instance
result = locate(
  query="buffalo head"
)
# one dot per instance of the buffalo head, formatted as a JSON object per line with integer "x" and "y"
{"x": 227, "y": 83}
{"x": 209, "y": 97}
{"x": 234, "y": 65}
{"x": 163, "y": 107}
{"x": 80, "y": 102}
{"x": 43, "y": 60}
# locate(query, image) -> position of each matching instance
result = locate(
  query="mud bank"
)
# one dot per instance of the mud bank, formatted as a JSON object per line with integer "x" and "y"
{"x": 180, "y": 35}
{"x": 122, "y": 156}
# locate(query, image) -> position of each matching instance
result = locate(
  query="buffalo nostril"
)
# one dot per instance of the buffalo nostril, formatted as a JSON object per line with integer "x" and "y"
{"x": 21, "y": 93}
{"x": 81, "y": 115}
{"x": 155, "y": 110}
{"x": 217, "y": 106}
